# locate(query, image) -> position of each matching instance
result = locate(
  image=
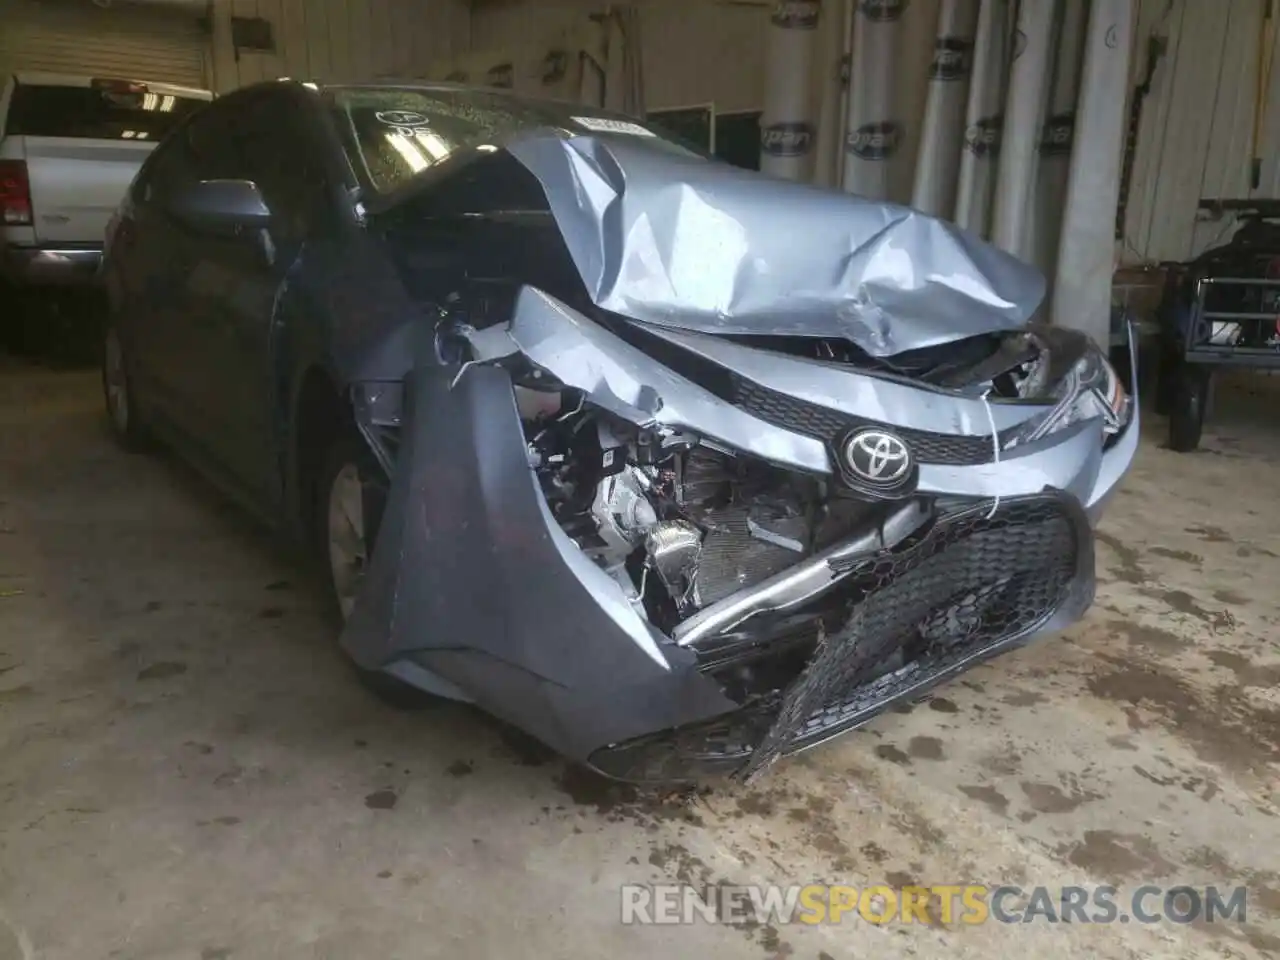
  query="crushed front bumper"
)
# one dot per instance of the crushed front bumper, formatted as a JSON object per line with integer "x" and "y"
{"x": 474, "y": 591}
{"x": 985, "y": 583}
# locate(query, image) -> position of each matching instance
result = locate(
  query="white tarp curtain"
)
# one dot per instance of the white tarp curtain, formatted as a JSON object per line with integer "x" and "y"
{"x": 967, "y": 109}
{"x": 930, "y": 109}
{"x": 787, "y": 121}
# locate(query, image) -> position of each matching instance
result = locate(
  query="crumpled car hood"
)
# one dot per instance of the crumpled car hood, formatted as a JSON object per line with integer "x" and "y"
{"x": 686, "y": 243}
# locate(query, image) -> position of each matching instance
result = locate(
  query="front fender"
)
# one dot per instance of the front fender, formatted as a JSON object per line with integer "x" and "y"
{"x": 474, "y": 581}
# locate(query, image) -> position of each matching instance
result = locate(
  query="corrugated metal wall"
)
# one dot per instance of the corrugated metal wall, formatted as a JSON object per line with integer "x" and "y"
{"x": 695, "y": 52}
{"x": 1195, "y": 139}
{"x": 146, "y": 43}
{"x": 503, "y": 25}
{"x": 702, "y": 53}
{"x": 340, "y": 40}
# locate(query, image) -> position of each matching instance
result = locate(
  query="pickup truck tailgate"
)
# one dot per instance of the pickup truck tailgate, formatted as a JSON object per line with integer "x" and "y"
{"x": 82, "y": 140}
{"x": 76, "y": 185}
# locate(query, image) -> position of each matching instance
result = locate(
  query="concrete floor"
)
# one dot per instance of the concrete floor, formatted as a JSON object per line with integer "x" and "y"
{"x": 187, "y": 770}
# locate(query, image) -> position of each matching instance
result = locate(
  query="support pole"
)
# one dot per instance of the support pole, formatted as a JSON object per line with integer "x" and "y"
{"x": 873, "y": 133}
{"x": 827, "y": 76}
{"x": 788, "y": 132}
{"x": 942, "y": 132}
{"x": 1045, "y": 226}
{"x": 1024, "y": 120}
{"x": 1086, "y": 257}
{"x": 984, "y": 117}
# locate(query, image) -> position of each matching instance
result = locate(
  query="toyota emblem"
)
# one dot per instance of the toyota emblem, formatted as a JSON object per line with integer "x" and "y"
{"x": 877, "y": 457}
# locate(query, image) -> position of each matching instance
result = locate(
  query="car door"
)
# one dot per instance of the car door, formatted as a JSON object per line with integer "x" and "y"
{"x": 237, "y": 279}
{"x": 154, "y": 253}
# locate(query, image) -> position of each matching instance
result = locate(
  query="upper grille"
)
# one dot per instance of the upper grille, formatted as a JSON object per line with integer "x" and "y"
{"x": 823, "y": 423}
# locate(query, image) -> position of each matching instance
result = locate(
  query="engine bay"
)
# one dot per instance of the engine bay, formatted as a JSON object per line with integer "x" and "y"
{"x": 719, "y": 546}
{"x": 679, "y": 523}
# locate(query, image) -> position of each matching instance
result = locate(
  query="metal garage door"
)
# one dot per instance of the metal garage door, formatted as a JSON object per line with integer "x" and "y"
{"x": 123, "y": 40}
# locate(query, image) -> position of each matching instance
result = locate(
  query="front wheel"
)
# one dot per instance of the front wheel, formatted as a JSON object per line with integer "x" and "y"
{"x": 117, "y": 391}
{"x": 351, "y": 495}
{"x": 1186, "y": 418}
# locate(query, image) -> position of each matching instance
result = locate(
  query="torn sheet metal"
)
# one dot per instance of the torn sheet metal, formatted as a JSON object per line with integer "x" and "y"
{"x": 681, "y": 242}
{"x": 629, "y": 383}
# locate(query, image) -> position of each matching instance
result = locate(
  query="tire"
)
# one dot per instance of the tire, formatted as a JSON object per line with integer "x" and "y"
{"x": 347, "y": 510}
{"x": 1168, "y": 369}
{"x": 13, "y": 318}
{"x": 123, "y": 415}
{"x": 1122, "y": 362}
{"x": 1186, "y": 418}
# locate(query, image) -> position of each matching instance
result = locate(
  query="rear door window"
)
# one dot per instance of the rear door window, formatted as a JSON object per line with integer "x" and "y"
{"x": 108, "y": 111}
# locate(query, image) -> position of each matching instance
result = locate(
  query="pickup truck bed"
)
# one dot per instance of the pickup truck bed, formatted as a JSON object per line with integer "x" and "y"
{"x": 69, "y": 148}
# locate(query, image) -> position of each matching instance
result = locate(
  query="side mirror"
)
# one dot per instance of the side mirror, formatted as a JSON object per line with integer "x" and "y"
{"x": 221, "y": 204}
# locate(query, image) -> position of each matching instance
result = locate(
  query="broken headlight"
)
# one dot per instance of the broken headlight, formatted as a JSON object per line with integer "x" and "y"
{"x": 1088, "y": 388}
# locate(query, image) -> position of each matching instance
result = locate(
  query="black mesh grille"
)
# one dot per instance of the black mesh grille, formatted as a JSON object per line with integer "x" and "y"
{"x": 824, "y": 423}
{"x": 964, "y": 591}
{"x": 972, "y": 581}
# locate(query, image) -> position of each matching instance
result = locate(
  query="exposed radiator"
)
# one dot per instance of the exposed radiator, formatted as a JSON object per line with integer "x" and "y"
{"x": 743, "y": 547}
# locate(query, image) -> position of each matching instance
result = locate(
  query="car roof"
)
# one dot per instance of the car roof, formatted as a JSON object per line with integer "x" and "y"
{"x": 41, "y": 79}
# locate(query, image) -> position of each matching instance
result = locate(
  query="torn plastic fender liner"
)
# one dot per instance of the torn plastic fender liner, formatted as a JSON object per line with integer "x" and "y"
{"x": 686, "y": 243}
{"x": 630, "y": 384}
{"x": 472, "y": 580}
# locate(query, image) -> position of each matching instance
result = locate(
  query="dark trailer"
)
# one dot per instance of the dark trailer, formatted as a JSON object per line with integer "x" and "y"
{"x": 1220, "y": 309}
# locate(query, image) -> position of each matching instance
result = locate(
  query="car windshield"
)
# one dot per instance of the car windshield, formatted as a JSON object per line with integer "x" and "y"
{"x": 393, "y": 134}
{"x": 108, "y": 110}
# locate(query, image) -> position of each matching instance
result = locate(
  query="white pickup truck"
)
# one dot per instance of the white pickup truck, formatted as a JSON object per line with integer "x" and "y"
{"x": 69, "y": 147}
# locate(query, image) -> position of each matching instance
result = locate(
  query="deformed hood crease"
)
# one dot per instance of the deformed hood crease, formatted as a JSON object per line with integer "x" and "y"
{"x": 691, "y": 244}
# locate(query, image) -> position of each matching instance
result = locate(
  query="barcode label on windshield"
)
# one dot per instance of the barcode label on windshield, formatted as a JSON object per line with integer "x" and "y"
{"x": 605, "y": 125}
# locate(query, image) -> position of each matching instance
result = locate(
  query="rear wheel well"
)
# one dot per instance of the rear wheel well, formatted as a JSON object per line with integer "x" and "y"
{"x": 321, "y": 416}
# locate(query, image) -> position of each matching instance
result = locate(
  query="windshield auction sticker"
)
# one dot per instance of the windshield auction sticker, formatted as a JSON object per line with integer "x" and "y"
{"x": 605, "y": 125}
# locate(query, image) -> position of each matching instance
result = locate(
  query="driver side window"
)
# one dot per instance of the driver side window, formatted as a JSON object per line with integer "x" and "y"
{"x": 282, "y": 155}
{"x": 256, "y": 138}
{"x": 191, "y": 153}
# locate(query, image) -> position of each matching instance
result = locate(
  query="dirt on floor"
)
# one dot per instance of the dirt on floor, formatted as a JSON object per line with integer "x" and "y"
{"x": 188, "y": 769}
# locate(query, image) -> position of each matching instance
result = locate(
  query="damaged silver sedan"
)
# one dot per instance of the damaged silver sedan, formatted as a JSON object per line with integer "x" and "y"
{"x": 678, "y": 468}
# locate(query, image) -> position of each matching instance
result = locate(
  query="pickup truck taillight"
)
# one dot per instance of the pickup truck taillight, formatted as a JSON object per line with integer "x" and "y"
{"x": 15, "y": 194}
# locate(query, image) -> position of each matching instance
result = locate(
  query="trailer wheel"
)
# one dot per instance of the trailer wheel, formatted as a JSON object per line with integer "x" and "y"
{"x": 1186, "y": 418}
